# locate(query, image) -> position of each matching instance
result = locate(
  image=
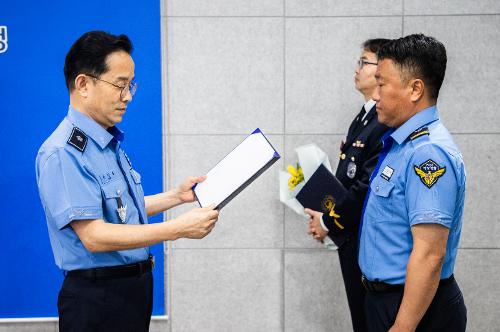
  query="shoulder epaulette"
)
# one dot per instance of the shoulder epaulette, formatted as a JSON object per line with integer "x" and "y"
{"x": 419, "y": 132}
{"x": 78, "y": 139}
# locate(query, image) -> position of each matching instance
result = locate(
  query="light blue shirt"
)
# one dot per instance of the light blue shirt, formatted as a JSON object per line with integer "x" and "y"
{"x": 420, "y": 179}
{"x": 83, "y": 174}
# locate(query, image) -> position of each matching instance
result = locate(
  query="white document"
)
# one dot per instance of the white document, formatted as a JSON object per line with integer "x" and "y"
{"x": 236, "y": 171}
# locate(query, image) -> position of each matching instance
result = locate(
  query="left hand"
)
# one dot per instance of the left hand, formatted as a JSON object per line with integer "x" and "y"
{"x": 315, "y": 228}
{"x": 184, "y": 192}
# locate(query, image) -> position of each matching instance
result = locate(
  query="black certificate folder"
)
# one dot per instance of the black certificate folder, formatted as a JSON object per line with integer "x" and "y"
{"x": 236, "y": 170}
{"x": 322, "y": 191}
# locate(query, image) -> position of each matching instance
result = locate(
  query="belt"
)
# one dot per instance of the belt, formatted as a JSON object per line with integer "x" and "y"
{"x": 115, "y": 272}
{"x": 382, "y": 287}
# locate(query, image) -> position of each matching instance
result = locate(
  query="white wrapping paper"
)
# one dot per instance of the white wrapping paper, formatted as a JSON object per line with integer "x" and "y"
{"x": 310, "y": 156}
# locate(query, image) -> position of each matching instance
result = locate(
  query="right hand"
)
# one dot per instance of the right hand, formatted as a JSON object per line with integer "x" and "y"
{"x": 197, "y": 223}
{"x": 315, "y": 228}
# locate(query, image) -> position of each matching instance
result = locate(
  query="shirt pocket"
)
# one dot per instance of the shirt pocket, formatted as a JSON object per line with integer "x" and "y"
{"x": 381, "y": 187}
{"x": 114, "y": 192}
{"x": 384, "y": 202}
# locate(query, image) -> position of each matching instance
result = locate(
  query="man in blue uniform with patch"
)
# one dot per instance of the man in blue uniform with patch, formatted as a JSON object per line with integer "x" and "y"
{"x": 412, "y": 216}
{"x": 94, "y": 203}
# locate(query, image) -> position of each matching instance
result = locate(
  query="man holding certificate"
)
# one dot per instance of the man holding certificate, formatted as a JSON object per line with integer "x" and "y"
{"x": 358, "y": 157}
{"x": 96, "y": 211}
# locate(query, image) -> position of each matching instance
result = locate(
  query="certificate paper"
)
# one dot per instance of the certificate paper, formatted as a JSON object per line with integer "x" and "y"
{"x": 236, "y": 171}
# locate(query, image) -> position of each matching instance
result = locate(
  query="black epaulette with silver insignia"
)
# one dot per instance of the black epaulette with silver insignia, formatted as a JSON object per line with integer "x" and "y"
{"x": 419, "y": 132}
{"x": 78, "y": 139}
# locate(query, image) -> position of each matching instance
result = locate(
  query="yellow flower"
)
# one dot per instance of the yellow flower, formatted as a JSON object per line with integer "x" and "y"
{"x": 296, "y": 176}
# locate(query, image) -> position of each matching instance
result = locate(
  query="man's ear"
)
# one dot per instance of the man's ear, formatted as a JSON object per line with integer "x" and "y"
{"x": 417, "y": 89}
{"x": 81, "y": 82}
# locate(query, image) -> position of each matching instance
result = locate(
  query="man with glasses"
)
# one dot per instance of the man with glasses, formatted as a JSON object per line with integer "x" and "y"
{"x": 94, "y": 203}
{"x": 358, "y": 157}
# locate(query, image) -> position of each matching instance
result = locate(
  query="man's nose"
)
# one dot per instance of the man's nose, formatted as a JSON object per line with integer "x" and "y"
{"x": 375, "y": 95}
{"x": 127, "y": 97}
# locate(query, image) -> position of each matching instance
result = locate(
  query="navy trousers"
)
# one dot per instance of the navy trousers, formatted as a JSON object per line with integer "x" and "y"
{"x": 351, "y": 273}
{"x": 447, "y": 312}
{"x": 121, "y": 304}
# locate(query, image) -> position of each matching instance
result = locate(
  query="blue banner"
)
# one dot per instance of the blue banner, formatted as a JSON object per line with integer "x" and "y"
{"x": 34, "y": 39}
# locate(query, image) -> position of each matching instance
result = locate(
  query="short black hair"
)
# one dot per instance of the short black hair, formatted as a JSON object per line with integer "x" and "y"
{"x": 418, "y": 56}
{"x": 373, "y": 45}
{"x": 88, "y": 54}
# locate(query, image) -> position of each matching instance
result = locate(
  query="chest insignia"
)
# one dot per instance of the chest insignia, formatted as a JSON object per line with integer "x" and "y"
{"x": 429, "y": 172}
{"x": 122, "y": 209}
{"x": 387, "y": 173}
{"x": 358, "y": 144}
{"x": 351, "y": 170}
{"x": 78, "y": 139}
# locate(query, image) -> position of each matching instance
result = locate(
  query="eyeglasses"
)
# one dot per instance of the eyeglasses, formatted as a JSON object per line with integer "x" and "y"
{"x": 362, "y": 62}
{"x": 130, "y": 87}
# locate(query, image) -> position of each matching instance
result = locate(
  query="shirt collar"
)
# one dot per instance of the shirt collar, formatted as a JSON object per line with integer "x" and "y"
{"x": 386, "y": 137}
{"x": 369, "y": 105}
{"x": 417, "y": 121}
{"x": 92, "y": 129}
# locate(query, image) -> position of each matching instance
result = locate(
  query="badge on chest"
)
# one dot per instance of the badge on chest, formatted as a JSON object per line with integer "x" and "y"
{"x": 351, "y": 170}
{"x": 387, "y": 173}
{"x": 122, "y": 209}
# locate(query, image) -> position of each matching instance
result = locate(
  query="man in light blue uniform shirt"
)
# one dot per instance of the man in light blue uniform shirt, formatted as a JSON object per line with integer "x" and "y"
{"x": 88, "y": 184}
{"x": 413, "y": 212}
{"x": 94, "y": 203}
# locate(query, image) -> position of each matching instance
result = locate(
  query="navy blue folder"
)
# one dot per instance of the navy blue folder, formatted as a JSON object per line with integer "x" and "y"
{"x": 322, "y": 191}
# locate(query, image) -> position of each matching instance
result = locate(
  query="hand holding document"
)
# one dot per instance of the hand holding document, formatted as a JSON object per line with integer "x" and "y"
{"x": 236, "y": 171}
{"x": 319, "y": 189}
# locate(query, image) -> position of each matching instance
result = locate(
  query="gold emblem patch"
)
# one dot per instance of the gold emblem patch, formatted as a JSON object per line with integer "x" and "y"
{"x": 328, "y": 206}
{"x": 429, "y": 172}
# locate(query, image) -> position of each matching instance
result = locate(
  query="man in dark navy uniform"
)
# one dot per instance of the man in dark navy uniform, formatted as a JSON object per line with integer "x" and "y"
{"x": 358, "y": 158}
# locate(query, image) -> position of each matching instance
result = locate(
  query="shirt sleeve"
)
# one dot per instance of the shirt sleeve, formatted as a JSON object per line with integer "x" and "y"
{"x": 432, "y": 186}
{"x": 67, "y": 190}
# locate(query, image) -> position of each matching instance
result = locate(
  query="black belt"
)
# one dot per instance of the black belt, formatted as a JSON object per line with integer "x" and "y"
{"x": 114, "y": 272}
{"x": 382, "y": 287}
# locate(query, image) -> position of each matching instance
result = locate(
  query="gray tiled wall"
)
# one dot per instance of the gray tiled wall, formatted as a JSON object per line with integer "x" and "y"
{"x": 287, "y": 66}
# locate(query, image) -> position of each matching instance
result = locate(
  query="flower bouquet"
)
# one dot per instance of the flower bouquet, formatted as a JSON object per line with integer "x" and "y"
{"x": 310, "y": 157}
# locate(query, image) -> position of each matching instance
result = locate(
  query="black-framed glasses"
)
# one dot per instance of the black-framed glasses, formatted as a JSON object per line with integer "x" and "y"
{"x": 130, "y": 87}
{"x": 361, "y": 63}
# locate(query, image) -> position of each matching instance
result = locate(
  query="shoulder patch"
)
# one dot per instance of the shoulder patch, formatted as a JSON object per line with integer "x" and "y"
{"x": 419, "y": 132}
{"x": 429, "y": 172}
{"x": 78, "y": 139}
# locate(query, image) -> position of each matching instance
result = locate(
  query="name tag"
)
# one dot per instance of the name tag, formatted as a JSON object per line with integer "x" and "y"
{"x": 387, "y": 173}
{"x": 107, "y": 177}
